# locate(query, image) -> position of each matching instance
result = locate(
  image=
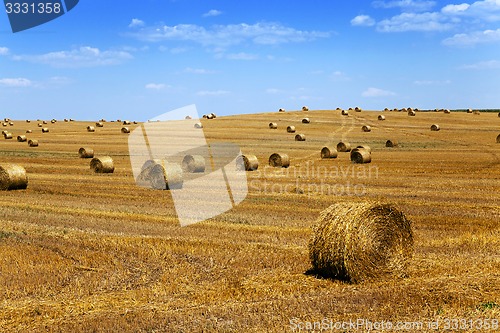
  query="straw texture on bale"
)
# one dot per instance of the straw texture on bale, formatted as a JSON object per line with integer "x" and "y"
{"x": 386, "y": 110}
{"x": 7, "y": 136}
{"x": 345, "y": 112}
{"x": 278, "y": 160}
{"x": 198, "y": 125}
{"x": 4, "y": 132}
{"x": 361, "y": 156}
{"x": 306, "y": 121}
{"x": 210, "y": 116}
{"x": 99, "y": 124}
{"x": 435, "y": 127}
{"x": 125, "y": 130}
{"x": 357, "y": 109}
{"x": 29, "y": 131}
{"x": 391, "y": 143}
{"x": 4, "y": 124}
{"x": 66, "y": 120}
{"x": 213, "y": 115}
{"x": 90, "y": 129}
{"x": 247, "y": 163}
{"x": 498, "y": 138}
{"x": 160, "y": 175}
{"x": 13, "y": 177}
{"x": 381, "y": 117}
{"x": 53, "y": 121}
{"x": 273, "y": 125}
{"x": 102, "y": 164}
{"x": 22, "y": 138}
{"x": 300, "y": 137}
{"x": 344, "y": 147}
{"x": 33, "y": 143}
{"x": 290, "y": 129}
{"x": 359, "y": 242}
{"x": 45, "y": 130}
{"x": 193, "y": 164}
{"x": 366, "y": 128}
{"x": 498, "y": 114}
{"x": 329, "y": 152}
{"x": 44, "y": 122}
{"x": 363, "y": 147}
{"x": 86, "y": 152}
{"x": 469, "y": 110}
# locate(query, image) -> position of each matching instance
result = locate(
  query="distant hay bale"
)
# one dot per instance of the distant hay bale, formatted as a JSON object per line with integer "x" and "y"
{"x": 45, "y": 130}
{"x": 99, "y": 124}
{"x": 22, "y": 138}
{"x": 391, "y": 143}
{"x": 498, "y": 138}
{"x": 160, "y": 175}
{"x": 90, "y": 129}
{"x": 210, "y": 116}
{"x": 435, "y": 128}
{"x": 126, "y": 122}
{"x": 273, "y": 125}
{"x": 198, "y": 125}
{"x": 71, "y": 119}
{"x": 12, "y": 177}
{"x": 102, "y": 164}
{"x": 344, "y": 112}
{"x": 193, "y": 164}
{"x": 205, "y": 116}
{"x": 498, "y": 114}
{"x": 5, "y": 124}
{"x": 11, "y": 123}
{"x": 53, "y": 121}
{"x": 409, "y": 109}
{"x": 7, "y": 136}
{"x": 412, "y": 113}
{"x": 188, "y": 117}
{"x": 40, "y": 125}
{"x": 86, "y": 152}
{"x": 361, "y": 156}
{"x": 329, "y": 152}
{"x": 350, "y": 109}
{"x": 6, "y": 120}
{"x": 66, "y": 120}
{"x": 3, "y": 132}
{"x": 125, "y": 130}
{"x": 386, "y": 110}
{"x": 447, "y": 111}
{"x": 102, "y": 120}
{"x": 477, "y": 112}
{"x": 44, "y": 122}
{"x": 403, "y": 110}
{"x": 366, "y": 128}
{"x": 281, "y": 110}
{"x": 134, "y": 122}
{"x": 29, "y": 131}
{"x": 357, "y": 109}
{"x": 305, "y": 108}
{"x": 247, "y": 163}
{"x": 360, "y": 242}
{"x": 381, "y": 117}
{"x": 344, "y": 147}
{"x": 395, "y": 110}
{"x": 213, "y": 115}
{"x": 33, "y": 143}
{"x": 469, "y": 111}
{"x": 300, "y": 137}
{"x": 306, "y": 121}
{"x": 290, "y": 129}
{"x": 278, "y": 160}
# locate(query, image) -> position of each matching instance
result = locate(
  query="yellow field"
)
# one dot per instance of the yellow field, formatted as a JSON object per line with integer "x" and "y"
{"x": 84, "y": 252}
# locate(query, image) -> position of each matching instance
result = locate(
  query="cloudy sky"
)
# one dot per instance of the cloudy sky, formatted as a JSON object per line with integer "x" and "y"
{"x": 138, "y": 59}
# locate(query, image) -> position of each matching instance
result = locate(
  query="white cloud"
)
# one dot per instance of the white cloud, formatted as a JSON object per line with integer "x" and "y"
{"x": 156, "y": 86}
{"x": 363, "y": 20}
{"x": 490, "y": 64}
{"x": 84, "y": 56}
{"x": 198, "y": 71}
{"x": 15, "y": 82}
{"x": 212, "y": 92}
{"x": 242, "y": 56}
{"x": 136, "y": 23}
{"x": 414, "y": 22}
{"x": 473, "y": 38}
{"x": 212, "y": 12}
{"x": 407, "y": 5}
{"x": 4, "y": 50}
{"x": 225, "y": 35}
{"x": 455, "y": 9}
{"x": 375, "y": 92}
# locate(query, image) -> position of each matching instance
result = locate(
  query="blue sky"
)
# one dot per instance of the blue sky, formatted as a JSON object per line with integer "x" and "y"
{"x": 139, "y": 59}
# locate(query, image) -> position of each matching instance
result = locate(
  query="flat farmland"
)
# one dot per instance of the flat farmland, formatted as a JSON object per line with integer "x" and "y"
{"x": 85, "y": 252}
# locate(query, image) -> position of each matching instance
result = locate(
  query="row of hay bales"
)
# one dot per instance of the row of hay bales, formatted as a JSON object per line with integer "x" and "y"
{"x": 304, "y": 108}
{"x": 21, "y": 138}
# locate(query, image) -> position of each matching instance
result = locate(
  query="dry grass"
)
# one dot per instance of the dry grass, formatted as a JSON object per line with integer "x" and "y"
{"x": 96, "y": 253}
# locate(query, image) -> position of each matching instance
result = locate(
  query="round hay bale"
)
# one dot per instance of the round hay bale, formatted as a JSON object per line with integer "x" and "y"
{"x": 134, "y": 122}
{"x": 22, "y": 138}
{"x": 205, "y": 116}
{"x": 360, "y": 242}
{"x": 395, "y": 110}
{"x": 213, "y": 115}
{"x": 273, "y": 125}
{"x": 477, "y": 112}
{"x": 306, "y": 121}
{"x": 125, "y": 130}
{"x": 498, "y": 138}
{"x": 102, "y": 120}
{"x": 344, "y": 112}
{"x": 28, "y": 121}
{"x": 7, "y": 136}
{"x": 435, "y": 128}
{"x": 11, "y": 123}
{"x": 45, "y": 130}
{"x": 99, "y": 124}
{"x": 344, "y": 147}
{"x": 361, "y": 156}
{"x": 281, "y": 110}
{"x": 44, "y": 122}
{"x": 86, "y": 152}
{"x": 278, "y": 160}
{"x": 102, "y": 164}
{"x": 447, "y": 111}
{"x": 53, "y": 121}
{"x": 300, "y": 137}
{"x": 71, "y": 119}
{"x": 6, "y": 119}
{"x": 499, "y": 114}
{"x": 247, "y": 163}
{"x": 188, "y": 117}
{"x": 329, "y": 152}
{"x": 193, "y": 164}
{"x": 166, "y": 176}
{"x": 12, "y": 177}
{"x": 381, "y": 117}
{"x": 126, "y": 122}
{"x": 366, "y": 128}
{"x": 391, "y": 143}
{"x": 412, "y": 113}
{"x": 33, "y": 143}
{"x": 3, "y": 132}
{"x": 350, "y": 109}
{"x": 386, "y": 110}
{"x": 210, "y": 116}
{"x": 357, "y": 109}
{"x": 66, "y": 120}
{"x": 29, "y": 131}
{"x": 40, "y": 125}
{"x": 198, "y": 125}
{"x": 305, "y": 108}
{"x": 90, "y": 129}
{"x": 469, "y": 110}
{"x": 5, "y": 124}
{"x": 290, "y": 129}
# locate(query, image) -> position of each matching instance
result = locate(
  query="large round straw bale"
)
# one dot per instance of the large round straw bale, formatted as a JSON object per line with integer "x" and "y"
{"x": 469, "y": 110}
{"x": 21, "y": 138}
{"x": 281, "y": 110}
{"x": 360, "y": 242}
{"x": 361, "y": 156}
{"x": 102, "y": 120}
{"x": 66, "y": 120}
{"x": 344, "y": 112}
{"x": 357, "y": 109}
{"x": 28, "y": 121}
{"x": 305, "y": 108}
{"x": 381, "y": 117}
{"x": 366, "y": 128}
{"x": 193, "y": 163}
{"x": 45, "y": 130}
{"x": 395, "y": 110}
{"x": 412, "y": 113}
{"x": 391, "y": 143}
{"x": 102, "y": 164}
{"x": 166, "y": 176}
{"x": 6, "y": 119}
{"x": 290, "y": 129}
{"x": 306, "y": 121}
{"x": 33, "y": 143}
{"x": 447, "y": 111}
{"x": 4, "y": 132}
{"x": 29, "y": 131}
{"x": 344, "y": 147}
{"x": 198, "y": 125}
{"x": 99, "y": 124}
{"x": 300, "y": 137}
{"x": 126, "y": 122}
{"x": 86, "y": 152}
{"x": 273, "y": 125}
{"x": 13, "y": 177}
{"x": 125, "y": 130}
{"x": 498, "y": 138}
{"x": 7, "y": 136}
{"x": 498, "y": 114}
{"x": 247, "y": 163}
{"x": 278, "y": 160}
{"x": 329, "y": 152}
{"x": 435, "y": 127}
{"x": 213, "y": 115}
{"x": 90, "y": 129}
